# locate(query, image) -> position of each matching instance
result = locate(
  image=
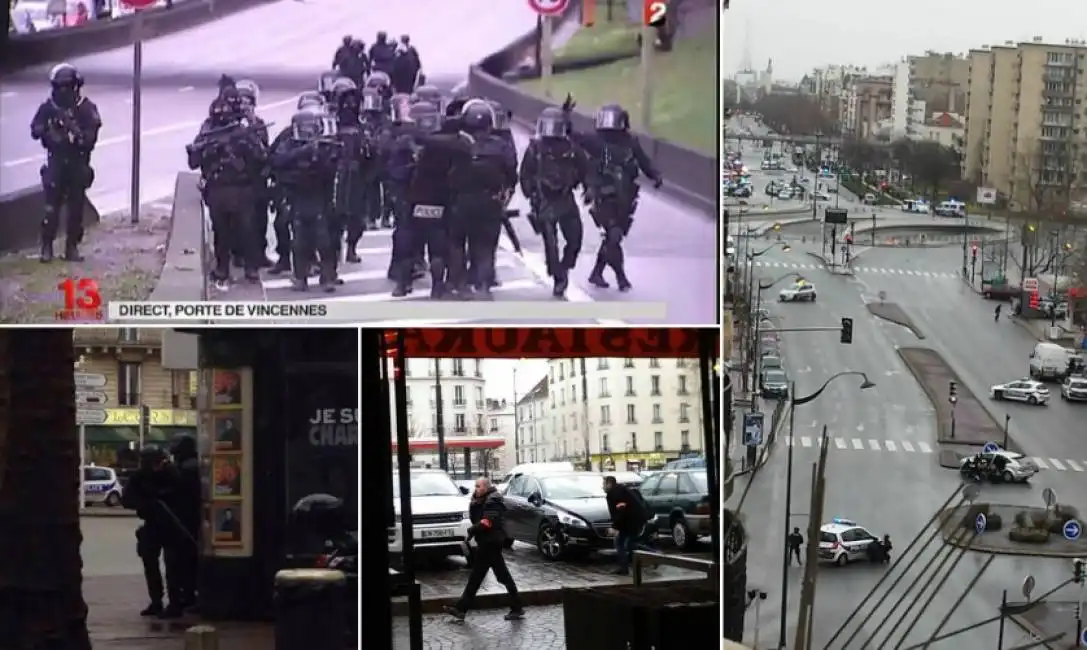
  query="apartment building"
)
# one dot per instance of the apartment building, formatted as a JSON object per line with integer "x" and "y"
{"x": 867, "y": 105}
{"x": 940, "y": 80}
{"x": 1023, "y": 118}
{"x": 127, "y": 363}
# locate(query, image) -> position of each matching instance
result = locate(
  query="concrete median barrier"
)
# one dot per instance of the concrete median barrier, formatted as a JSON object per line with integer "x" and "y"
{"x": 21, "y": 217}
{"x": 98, "y": 36}
{"x": 691, "y": 177}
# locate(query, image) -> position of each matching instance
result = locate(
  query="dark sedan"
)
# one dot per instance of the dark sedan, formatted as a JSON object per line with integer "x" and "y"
{"x": 774, "y": 384}
{"x": 560, "y": 514}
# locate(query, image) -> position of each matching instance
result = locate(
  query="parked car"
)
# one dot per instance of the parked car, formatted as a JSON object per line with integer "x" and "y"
{"x": 439, "y": 516}
{"x": 774, "y": 384}
{"x": 561, "y": 514}
{"x": 101, "y": 486}
{"x": 1074, "y": 389}
{"x": 679, "y": 501}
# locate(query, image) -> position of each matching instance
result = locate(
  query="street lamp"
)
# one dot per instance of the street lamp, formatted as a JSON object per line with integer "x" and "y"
{"x": 799, "y": 401}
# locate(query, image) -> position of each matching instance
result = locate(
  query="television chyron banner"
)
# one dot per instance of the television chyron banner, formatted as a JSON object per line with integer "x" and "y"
{"x": 548, "y": 343}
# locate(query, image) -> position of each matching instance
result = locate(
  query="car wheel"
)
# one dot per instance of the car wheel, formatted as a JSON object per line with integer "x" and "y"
{"x": 998, "y": 394}
{"x": 1032, "y": 400}
{"x": 841, "y": 560}
{"x": 1007, "y": 476}
{"x": 113, "y": 500}
{"x": 813, "y": 297}
{"x": 681, "y": 534}
{"x": 549, "y": 543}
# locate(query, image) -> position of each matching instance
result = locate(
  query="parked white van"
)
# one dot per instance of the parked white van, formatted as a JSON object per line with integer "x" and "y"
{"x": 1049, "y": 361}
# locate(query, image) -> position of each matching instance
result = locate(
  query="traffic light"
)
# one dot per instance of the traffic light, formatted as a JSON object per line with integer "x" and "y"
{"x": 952, "y": 391}
{"x": 847, "y": 330}
{"x": 1077, "y": 570}
{"x": 1034, "y": 300}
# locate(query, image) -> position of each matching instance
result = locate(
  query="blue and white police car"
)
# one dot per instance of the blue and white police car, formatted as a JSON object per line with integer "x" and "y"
{"x": 100, "y": 486}
{"x": 842, "y": 541}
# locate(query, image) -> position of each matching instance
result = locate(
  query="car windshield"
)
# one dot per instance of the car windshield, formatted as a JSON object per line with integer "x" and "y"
{"x": 573, "y": 487}
{"x": 771, "y": 362}
{"x": 829, "y": 538}
{"x": 775, "y": 377}
{"x": 428, "y": 484}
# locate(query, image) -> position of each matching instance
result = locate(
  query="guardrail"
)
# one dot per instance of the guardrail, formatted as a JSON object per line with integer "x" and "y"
{"x": 27, "y": 50}
{"x": 643, "y": 559}
{"x": 690, "y": 176}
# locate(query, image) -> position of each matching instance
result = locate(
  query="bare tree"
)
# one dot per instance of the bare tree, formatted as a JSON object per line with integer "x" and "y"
{"x": 794, "y": 115}
{"x": 1043, "y": 184}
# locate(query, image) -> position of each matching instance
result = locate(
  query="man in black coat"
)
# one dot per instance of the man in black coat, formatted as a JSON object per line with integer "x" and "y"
{"x": 628, "y": 517}
{"x": 487, "y": 512}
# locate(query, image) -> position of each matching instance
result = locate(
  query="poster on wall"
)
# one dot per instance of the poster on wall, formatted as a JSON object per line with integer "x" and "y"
{"x": 226, "y": 444}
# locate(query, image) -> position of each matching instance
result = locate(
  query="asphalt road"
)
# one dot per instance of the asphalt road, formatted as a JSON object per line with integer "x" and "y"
{"x": 671, "y": 251}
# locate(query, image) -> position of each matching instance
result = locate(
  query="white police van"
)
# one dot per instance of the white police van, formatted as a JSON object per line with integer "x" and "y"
{"x": 100, "y": 486}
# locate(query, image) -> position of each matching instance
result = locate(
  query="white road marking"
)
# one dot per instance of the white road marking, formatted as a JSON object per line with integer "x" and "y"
{"x": 924, "y": 447}
{"x": 874, "y": 444}
{"x": 1040, "y": 462}
{"x": 805, "y": 442}
{"x": 890, "y": 445}
{"x": 907, "y": 446}
{"x": 1074, "y": 465}
{"x": 839, "y": 443}
{"x": 858, "y": 444}
{"x": 1056, "y": 464}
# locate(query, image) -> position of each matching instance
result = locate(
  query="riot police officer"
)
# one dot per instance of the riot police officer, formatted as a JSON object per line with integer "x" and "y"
{"x": 353, "y": 165}
{"x": 230, "y": 155}
{"x": 382, "y": 54}
{"x": 482, "y": 178}
{"x": 551, "y": 170}
{"x": 406, "y": 67}
{"x": 398, "y": 154}
{"x": 305, "y": 166}
{"x": 185, "y": 502}
{"x": 249, "y": 93}
{"x": 457, "y": 98}
{"x": 146, "y": 493}
{"x": 427, "y": 93}
{"x": 375, "y": 126}
{"x": 67, "y": 125}
{"x": 615, "y": 159}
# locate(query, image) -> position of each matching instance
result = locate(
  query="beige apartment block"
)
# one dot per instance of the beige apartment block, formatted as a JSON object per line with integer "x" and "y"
{"x": 1024, "y": 122}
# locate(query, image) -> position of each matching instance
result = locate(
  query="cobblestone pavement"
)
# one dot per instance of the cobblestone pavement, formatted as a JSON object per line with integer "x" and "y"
{"x": 542, "y": 629}
{"x": 533, "y": 573}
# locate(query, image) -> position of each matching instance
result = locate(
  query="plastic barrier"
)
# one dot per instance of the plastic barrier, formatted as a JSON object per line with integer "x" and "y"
{"x": 98, "y": 36}
{"x": 690, "y": 176}
{"x": 21, "y": 217}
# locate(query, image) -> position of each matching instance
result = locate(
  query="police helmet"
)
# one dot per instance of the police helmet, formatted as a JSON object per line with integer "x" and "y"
{"x": 152, "y": 454}
{"x": 226, "y": 81}
{"x": 372, "y": 101}
{"x": 426, "y": 116}
{"x": 183, "y": 446}
{"x": 347, "y": 40}
{"x": 405, "y": 39}
{"x": 322, "y": 515}
{"x": 342, "y": 87}
{"x": 64, "y": 75}
{"x": 325, "y": 81}
{"x": 611, "y": 117}
{"x": 501, "y": 116}
{"x": 248, "y": 91}
{"x": 221, "y": 110}
{"x": 382, "y": 36}
{"x": 311, "y": 98}
{"x": 477, "y": 115}
{"x": 551, "y": 123}
{"x": 429, "y": 94}
{"x": 378, "y": 81}
{"x": 307, "y": 125}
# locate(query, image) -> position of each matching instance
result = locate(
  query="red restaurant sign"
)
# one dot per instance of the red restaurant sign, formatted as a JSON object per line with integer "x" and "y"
{"x": 547, "y": 342}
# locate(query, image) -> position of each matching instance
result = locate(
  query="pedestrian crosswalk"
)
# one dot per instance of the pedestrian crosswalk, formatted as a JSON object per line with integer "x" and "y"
{"x": 871, "y": 270}
{"x": 918, "y": 447}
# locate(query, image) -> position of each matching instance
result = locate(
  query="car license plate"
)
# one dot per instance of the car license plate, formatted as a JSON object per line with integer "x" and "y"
{"x": 435, "y": 533}
{"x": 428, "y": 212}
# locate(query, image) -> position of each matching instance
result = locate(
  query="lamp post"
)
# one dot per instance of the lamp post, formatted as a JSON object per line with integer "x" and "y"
{"x": 799, "y": 401}
{"x": 763, "y": 286}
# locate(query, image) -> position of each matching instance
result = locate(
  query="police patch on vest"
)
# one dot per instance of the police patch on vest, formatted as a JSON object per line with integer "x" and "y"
{"x": 428, "y": 212}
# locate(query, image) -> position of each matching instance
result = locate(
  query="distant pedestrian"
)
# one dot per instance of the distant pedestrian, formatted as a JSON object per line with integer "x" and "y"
{"x": 996, "y": 313}
{"x": 628, "y": 517}
{"x": 795, "y": 541}
{"x": 487, "y": 512}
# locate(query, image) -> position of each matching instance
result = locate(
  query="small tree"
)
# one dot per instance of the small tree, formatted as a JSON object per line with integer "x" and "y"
{"x": 931, "y": 165}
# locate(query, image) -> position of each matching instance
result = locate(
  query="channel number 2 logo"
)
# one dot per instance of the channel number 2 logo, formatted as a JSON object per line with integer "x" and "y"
{"x": 654, "y": 12}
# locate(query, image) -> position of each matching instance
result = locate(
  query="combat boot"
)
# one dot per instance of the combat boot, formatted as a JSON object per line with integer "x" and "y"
{"x": 622, "y": 280}
{"x": 282, "y": 266}
{"x": 561, "y": 283}
{"x": 596, "y": 278}
{"x": 299, "y": 284}
{"x": 71, "y": 252}
{"x": 46, "y": 255}
{"x": 437, "y": 280}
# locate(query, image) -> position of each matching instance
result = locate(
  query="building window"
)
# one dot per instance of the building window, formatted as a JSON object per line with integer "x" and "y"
{"x": 573, "y": 394}
{"x": 458, "y": 367}
{"x": 552, "y": 374}
{"x": 479, "y": 397}
{"x": 655, "y": 385}
{"x": 181, "y": 397}
{"x": 407, "y": 395}
{"x": 458, "y": 395}
{"x": 684, "y": 440}
{"x": 657, "y": 419}
{"x": 658, "y": 441}
{"x": 681, "y": 363}
{"x": 605, "y": 414}
{"x": 434, "y": 421}
{"x": 460, "y": 423}
{"x": 479, "y": 368}
{"x": 682, "y": 390}
{"x": 128, "y": 335}
{"x": 129, "y": 384}
{"x": 562, "y": 397}
{"x": 630, "y": 386}
{"x": 433, "y": 396}
{"x": 573, "y": 368}
{"x": 573, "y": 422}
{"x": 494, "y": 424}
{"x": 631, "y": 419}
{"x": 601, "y": 364}
{"x": 628, "y": 363}
{"x": 684, "y": 416}
{"x": 634, "y": 441}
{"x": 562, "y": 372}
{"x": 654, "y": 363}
{"x": 605, "y": 444}
{"x": 604, "y": 392}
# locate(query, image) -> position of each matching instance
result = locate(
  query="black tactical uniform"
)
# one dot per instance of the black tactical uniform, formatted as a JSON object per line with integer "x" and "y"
{"x": 185, "y": 502}
{"x": 230, "y": 154}
{"x": 305, "y": 167}
{"x": 551, "y": 170}
{"x": 502, "y": 119}
{"x": 455, "y": 103}
{"x": 406, "y": 68}
{"x": 248, "y": 92}
{"x": 428, "y": 199}
{"x": 481, "y": 177}
{"x": 615, "y": 159}
{"x": 350, "y": 59}
{"x": 354, "y": 163}
{"x": 281, "y": 221}
{"x": 398, "y": 152}
{"x": 67, "y": 125}
{"x": 382, "y": 54}
{"x": 375, "y": 125}
{"x": 147, "y": 492}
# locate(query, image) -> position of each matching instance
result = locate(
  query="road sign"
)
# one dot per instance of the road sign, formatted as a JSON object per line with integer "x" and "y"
{"x": 90, "y": 397}
{"x": 138, "y": 4}
{"x": 89, "y": 416}
{"x": 1030, "y": 285}
{"x": 1071, "y": 530}
{"x": 979, "y": 523}
{"x": 753, "y": 429}
{"x": 986, "y": 196}
{"x": 1028, "y": 586}
{"x": 990, "y": 447}
{"x": 546, "y": 7}
{"x": 1049, "y": 497}
{"x": 1083, "y": 637}
{"x": 87, "y": 380}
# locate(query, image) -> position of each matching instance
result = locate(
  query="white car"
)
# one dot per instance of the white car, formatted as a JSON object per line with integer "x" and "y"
{"x": 1022, "y": 390}
{"x": 822, "y": 196}
{"x": 100, "y": 486}
{"x": 439, "y": 515}
{"x": 843, "y": 541}
{"x": 1074, "y": 389}
{"x": 785, "y": 195}
{"x": 798, "y": 293}
{"x": 1017, "y": 467}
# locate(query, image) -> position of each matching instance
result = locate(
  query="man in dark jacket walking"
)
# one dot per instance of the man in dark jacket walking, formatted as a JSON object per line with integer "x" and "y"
{"x": 628, "y": 517}
{"x": 487, "y": 512}
{"x": 795, "y": 541}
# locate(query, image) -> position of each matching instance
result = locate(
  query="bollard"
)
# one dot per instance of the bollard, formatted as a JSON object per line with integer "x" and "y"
{"x": 201, "y": 637}
{"x": 310, "y": 609}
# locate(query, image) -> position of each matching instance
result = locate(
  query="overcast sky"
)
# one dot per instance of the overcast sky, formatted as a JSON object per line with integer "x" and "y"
{"x": 800, "y": 35}
{"x": 499, "y": 374}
